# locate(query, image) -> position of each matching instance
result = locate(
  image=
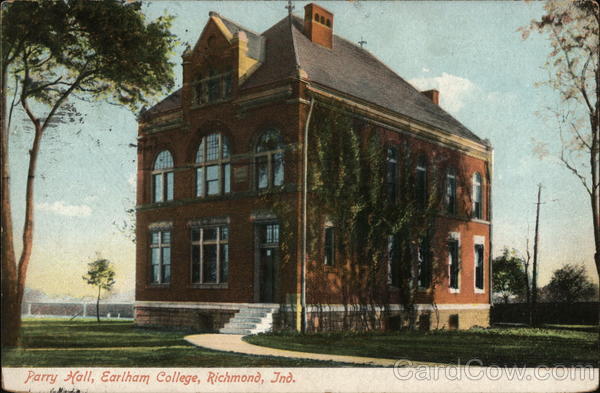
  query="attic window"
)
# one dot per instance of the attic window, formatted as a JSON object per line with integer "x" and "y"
{"x": 322, "y": 19}
{"x": 211, "y": 41}
{"x": 317, "y": 17}
{"x": 328, "y": 23}
{"x": 212, "y": 88}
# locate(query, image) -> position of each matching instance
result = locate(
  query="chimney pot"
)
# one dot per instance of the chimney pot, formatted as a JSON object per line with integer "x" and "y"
{"x": 433, "y": 95}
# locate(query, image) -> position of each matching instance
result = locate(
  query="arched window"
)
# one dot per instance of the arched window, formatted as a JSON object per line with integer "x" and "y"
{"x": 213, "y": 169}
{"x": 322, "y": 19}
{"x": 162, "y": 177}
{"x": 392, "y": 172}
{"x": 317, "y": 17}
{"x": 451, "y": 191}
{"x": 477, "y": 196}
{"x": 421, "y": 182}
{"x": 269, "y": 159}
{"x": 328, "y": 23}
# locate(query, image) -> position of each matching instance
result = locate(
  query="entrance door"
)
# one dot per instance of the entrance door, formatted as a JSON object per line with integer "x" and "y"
{"x": 268, "y": 254}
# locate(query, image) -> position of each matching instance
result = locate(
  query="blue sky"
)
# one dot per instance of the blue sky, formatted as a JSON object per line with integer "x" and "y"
{"x": 470, "y": 51}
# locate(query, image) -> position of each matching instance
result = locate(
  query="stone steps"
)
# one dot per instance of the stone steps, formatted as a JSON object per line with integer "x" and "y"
{"x": 250, "y": 320}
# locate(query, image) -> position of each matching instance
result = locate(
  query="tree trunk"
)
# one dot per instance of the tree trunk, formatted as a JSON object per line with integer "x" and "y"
{"x": 98, "y": 306}
{"x": 14, "y": 276}
{"x": 11, "y": 303}
{"x": 533, "y": 318}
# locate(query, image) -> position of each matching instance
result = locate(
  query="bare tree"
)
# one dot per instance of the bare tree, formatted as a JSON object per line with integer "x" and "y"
{"x": 573, "y": 28}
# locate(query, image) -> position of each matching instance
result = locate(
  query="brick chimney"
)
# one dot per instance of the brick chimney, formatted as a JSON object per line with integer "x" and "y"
{"x": 318, "y": 25}
{"x": 433, "y": 95}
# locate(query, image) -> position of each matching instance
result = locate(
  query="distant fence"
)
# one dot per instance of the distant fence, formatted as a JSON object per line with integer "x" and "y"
{"x": 83, "y": 309}
{"x": 584, "y": 313}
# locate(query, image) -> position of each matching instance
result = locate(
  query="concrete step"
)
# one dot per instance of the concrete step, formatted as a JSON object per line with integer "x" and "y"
{"x": 235, "y": 331}
{"x": 248, "y": 319}
{"x": 240, "y": 325}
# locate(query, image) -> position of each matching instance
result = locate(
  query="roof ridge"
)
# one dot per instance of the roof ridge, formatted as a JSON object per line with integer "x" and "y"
{"x": 295, "y": 50}
{"x": 404, "y": 81}
{"x": 237, "y": 24}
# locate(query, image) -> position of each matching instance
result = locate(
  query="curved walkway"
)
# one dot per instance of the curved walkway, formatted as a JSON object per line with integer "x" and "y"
{"x": 234, "y": 343}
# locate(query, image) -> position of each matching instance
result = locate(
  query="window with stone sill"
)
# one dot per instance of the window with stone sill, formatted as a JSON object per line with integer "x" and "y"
{"x": 213, "y": 167}
{"x": 477, "y": 210}
{"x": 210, "y": 254}
{"x": 392, "y": 173}
{"x": 424, "y": 263}
{"x": 212, "y": 87}
{"x": 162, "y": 177}
{"x": 450, "y": 197}
{"x": 422, "y": 193}
{"x": 454, "y": 267}
{"x": 479, "y": 260}
{"x": 329, "y": 254}
{"x": 160, "y": 257}
{"x": 269, "y": 162}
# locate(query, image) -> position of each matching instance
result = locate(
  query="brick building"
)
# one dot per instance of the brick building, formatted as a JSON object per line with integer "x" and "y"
{"x": 212, "y": 155}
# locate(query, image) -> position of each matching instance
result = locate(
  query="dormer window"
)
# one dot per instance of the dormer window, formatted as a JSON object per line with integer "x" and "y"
{"x": 212, "y": 87}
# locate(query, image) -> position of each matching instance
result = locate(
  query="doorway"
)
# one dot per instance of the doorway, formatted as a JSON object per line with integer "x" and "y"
{"x": 268, "y": 261}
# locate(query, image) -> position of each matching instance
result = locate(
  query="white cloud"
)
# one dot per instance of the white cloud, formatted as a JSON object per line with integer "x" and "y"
{"x": 454, "y": 90}
{"x": 425, "y": 69}
{"x": 131, "y": 179}
{"x": 60, "y": 208}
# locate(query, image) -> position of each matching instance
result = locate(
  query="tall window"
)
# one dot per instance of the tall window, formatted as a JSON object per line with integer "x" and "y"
{"x": 479, "y": 267}
{"x": 424, "y": 259}
{"x": 160, "y": 258}
{"x": 329, "y": 246}
{"x": 393, "y": 262}
{"x": 392, "y": 172}
{"x": 213, "y": 169}
{"x": 162, "y": 177}
{"x": 212, "y": 87}
{"x": 269, "y": 160}
{"x": 453, "y": 264}
{"x": 451, "y": 191}
{"x": 210, "y": 255}
{"x": 421, "y": 182}
{"x": 477, "y": 196}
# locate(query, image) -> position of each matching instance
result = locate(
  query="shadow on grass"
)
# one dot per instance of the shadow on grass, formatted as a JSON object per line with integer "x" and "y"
{"x": 503, "y": 347}
{"x": 60, "y": 343}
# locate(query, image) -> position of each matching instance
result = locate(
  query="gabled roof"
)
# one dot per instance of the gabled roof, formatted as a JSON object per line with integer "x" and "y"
{"x": 346, "y": 68}
{"x": 254, "y": 39}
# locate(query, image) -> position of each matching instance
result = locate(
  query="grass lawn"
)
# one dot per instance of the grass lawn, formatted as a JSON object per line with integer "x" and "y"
{"x": 520, "y": 346}
{"x": 82, "y": 343}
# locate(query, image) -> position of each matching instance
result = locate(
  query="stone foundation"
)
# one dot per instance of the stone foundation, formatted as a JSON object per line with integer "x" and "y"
{"x": 199, "y": 320}
{"x": 213, "y": 318}
{"x": 427, "y": 319}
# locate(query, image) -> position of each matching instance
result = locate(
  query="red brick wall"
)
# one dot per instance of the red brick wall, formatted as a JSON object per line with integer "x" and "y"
{"x": 242, "y": 127}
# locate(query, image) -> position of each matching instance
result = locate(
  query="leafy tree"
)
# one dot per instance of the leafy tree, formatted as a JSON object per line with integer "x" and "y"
{"x": 574, "y": 72}
{"x": 102, "y": 275}
{"x": 570, "y": 284}
{"x": 509, "y": 277}
{"x": 55, "y": 51}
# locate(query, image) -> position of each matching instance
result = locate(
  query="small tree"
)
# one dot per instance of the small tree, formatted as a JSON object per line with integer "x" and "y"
{"x": 570, "y": 284}
{"x": 508, "y": 275}
{"x": 100, "y": 274}
{"x": 55, "y": 52}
